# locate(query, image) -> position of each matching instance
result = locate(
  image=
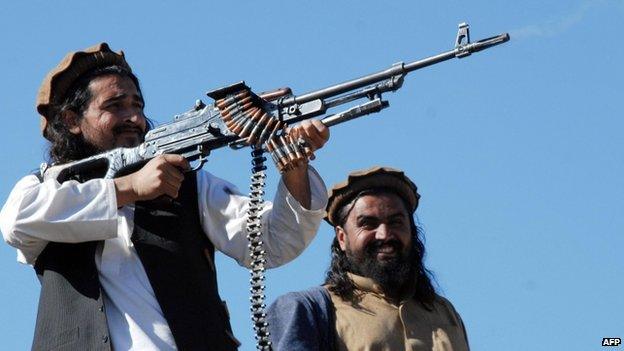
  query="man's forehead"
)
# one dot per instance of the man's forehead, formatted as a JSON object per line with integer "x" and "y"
{"x": 113, "y": 86}
{"x": 376, "y": 204}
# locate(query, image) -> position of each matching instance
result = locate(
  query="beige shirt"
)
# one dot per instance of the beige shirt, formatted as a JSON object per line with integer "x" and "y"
{"x": 378, "y": 323}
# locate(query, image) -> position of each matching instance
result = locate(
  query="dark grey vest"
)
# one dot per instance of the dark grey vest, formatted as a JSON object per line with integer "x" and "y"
{"x": 178, "y": 259}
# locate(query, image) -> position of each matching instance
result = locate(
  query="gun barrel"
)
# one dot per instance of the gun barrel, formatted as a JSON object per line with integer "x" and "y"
{"x": 397, "y": 69}
{"x": 412, "y": 66}
{"x": 344, "y": 87}
{"x": 489, "y": 42}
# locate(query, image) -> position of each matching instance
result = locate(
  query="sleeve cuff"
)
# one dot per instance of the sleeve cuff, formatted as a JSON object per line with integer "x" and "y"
{"x": 318, "y": 194}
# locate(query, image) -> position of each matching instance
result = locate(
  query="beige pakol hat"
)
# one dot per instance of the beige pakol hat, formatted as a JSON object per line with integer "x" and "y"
{"x": 58, "y": 81}
{"x": 375, "y": 177}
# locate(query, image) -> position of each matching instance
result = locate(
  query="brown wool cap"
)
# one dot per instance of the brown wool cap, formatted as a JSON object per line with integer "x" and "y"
{"x": 58, "y": 81}
{"x": 375, "y": 177}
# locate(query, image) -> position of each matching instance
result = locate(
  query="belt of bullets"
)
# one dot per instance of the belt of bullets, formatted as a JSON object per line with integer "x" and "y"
{"x": 287, "y": 152}
{"x": 243, "y": 114}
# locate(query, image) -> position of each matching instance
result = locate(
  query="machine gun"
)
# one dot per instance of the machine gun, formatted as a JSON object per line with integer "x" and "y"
{"x": 241, "y": 118}
{"x": 195, "y": 133}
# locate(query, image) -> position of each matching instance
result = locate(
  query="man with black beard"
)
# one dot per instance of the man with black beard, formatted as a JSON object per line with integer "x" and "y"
{"x": 377, "y": 295}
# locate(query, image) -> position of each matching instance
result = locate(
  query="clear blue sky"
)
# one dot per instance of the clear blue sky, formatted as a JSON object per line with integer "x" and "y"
{"x": 517, "y": 151}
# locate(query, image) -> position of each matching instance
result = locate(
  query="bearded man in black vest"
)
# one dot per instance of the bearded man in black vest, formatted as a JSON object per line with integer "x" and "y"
{"x": 118, "y": 269}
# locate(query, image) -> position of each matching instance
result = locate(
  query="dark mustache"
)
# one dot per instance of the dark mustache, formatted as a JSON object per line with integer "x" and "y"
{"x": 375, "y": 245}
{"x": 127, "y": 128}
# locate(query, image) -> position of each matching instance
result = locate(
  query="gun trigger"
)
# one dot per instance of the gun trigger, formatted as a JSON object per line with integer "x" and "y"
{"x": 200, "y": 163}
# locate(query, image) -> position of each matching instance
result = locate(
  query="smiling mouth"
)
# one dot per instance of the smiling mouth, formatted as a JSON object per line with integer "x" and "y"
{"x": 386, "y": 249}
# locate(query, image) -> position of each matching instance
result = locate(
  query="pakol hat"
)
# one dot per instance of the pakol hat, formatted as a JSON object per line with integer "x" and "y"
{"x": 58, "y": 81}
{"x": 372, "y": 178}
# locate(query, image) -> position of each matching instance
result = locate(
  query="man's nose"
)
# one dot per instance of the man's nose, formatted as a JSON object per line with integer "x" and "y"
{"x": 383, "y": 232}
{"x": 135, "y": 117}
{"x": 132, "y": 116}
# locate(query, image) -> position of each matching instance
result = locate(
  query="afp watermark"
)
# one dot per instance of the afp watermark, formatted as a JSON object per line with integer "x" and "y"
{"x": 611, "y": 341}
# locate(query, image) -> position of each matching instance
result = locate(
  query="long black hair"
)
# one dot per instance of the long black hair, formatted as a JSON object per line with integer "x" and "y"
{"x": 340, "y": 283}
{"x": 64, "y": 145}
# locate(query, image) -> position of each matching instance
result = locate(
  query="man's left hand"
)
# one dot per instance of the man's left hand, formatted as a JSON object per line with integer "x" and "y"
{"x": 313, "y": 131}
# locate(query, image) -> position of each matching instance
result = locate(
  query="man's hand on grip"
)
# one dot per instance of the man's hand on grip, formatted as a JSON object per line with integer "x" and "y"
{"x": 163, "y": 175}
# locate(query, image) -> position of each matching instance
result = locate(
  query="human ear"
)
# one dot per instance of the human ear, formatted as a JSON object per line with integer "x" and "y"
{"x": 70, "y": 119}
{"x": 341, "y": 235}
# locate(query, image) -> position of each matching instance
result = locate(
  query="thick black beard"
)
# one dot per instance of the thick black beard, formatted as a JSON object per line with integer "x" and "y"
{"x": 392, "y": 274}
